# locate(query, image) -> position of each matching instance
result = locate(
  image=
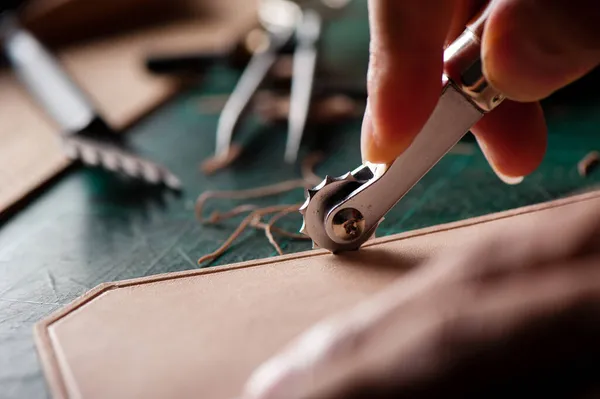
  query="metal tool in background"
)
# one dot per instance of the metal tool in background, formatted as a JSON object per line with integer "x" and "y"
{"x": 284, "y": 20}
{"x": 308, "y": 34}
{"x": 86, "y": 136}
{"x": 279, "y": 18}
{"x": 341, "y": 214}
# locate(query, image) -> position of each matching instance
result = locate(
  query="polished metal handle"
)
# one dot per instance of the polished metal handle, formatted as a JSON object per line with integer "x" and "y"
{"x": 463, "y": 65}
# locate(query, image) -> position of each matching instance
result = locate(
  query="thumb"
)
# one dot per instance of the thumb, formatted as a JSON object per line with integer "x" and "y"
{"x": 532, "y": 48}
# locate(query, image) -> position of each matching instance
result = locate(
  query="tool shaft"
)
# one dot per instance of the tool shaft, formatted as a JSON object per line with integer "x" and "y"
{"x": 305, "y": 62}
{"x": 239, "y": 101}
{"x": 46, "y": 80}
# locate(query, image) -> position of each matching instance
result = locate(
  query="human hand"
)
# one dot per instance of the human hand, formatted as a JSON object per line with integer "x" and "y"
{"x": 517, "y": 311}
{"x": 530, "y": 48}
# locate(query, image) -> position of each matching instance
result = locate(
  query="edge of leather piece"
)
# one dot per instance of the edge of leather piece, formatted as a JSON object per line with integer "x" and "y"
{"x": 49, "y": 361}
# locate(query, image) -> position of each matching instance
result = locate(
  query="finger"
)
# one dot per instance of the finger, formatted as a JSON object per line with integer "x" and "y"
{"x": 532, "y": 48}
{"x": 513, "y": 139}
{"x": 405, "y": 70}
{"x": 463, "y": 13}
{"x": 316, "y": 361}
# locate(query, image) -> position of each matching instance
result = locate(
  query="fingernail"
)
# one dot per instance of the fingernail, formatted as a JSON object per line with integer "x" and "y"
{"x": 513, "y": 181}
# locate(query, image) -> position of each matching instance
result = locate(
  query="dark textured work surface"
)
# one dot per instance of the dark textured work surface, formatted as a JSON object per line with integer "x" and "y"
{"x": 90, "y": 228}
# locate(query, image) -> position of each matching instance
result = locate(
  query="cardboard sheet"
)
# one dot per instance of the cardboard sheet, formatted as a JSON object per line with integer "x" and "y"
{"x": 200, "y": 334}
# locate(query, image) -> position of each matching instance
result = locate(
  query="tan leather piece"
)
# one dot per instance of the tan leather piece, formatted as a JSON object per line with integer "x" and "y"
{"x": 111, "y": 70}
{"x": 199, "y": 334}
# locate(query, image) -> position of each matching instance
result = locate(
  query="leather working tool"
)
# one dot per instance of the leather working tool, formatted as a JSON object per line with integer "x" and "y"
{"x": 341, "y": 214}
{"x": 87, "y": 137}
{"x": 283, "y": 20}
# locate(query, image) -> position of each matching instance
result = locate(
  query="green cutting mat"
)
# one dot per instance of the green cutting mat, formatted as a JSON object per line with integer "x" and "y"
{"x": 91, "y": 227}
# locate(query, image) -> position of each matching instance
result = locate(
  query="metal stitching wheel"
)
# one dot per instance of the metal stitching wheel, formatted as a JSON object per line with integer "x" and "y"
{"x": 321, "y": 200}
